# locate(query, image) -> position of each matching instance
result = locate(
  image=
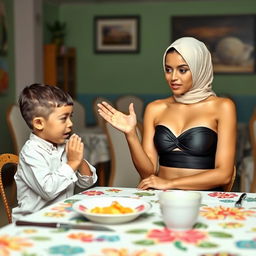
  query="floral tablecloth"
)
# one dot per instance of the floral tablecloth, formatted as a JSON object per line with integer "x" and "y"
{"x": 221, "y": 230}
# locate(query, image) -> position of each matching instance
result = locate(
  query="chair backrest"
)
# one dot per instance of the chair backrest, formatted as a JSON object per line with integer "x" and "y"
{"x": 123, "y": 102}
{"x": 229, "y": 186}
{"x": 252, "y": 129}
{"x": 123, "y": 173}
{"x": 7, "y": 159}
{"x": 78, "y": 117}
{"x": 18, "y": 128}
{"x": 99, "y": 119}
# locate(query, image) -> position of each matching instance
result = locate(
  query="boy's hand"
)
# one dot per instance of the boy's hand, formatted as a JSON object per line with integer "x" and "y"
{"x": 75, "y": 151}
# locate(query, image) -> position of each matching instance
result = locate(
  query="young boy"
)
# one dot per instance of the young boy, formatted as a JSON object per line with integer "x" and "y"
{"x": 51, "y": 161}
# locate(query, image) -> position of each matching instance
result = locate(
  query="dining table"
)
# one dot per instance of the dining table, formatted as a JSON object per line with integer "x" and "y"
{"x": 221, "y": 229}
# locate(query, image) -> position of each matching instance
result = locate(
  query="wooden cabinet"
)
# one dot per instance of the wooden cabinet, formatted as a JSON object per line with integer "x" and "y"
{"x": 60, "y": 68}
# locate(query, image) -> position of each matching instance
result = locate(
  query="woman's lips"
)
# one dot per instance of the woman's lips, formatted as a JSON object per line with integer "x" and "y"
{"x": 175, "y": 86}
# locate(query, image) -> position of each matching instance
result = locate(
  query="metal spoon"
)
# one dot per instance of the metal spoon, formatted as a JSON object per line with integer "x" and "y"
{"x": 238, "y": 203}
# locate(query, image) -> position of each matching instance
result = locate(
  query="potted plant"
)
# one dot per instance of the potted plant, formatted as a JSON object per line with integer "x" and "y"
{"x": 58, "y": 32}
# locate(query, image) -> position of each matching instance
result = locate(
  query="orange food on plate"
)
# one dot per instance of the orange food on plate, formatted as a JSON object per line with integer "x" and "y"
{"x": 114, "y": 208}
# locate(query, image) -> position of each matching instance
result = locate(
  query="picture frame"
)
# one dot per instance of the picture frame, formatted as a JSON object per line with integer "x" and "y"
{"x": 116, "y": 34}
{"x": 229, "y": 38}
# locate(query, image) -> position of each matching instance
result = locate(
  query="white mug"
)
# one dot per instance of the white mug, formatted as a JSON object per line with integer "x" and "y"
{"x": 180, "y": 208}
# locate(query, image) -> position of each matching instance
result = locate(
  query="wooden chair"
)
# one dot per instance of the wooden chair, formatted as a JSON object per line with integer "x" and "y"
{"x": 248, "y": 165}
{"x": 83, "y": 130}
{"x": 123, "y": 102}
{"x": 79, "y": 120}
{"x": 229, "y": 186}
{"x": 79, "y": 117}
{"x": 252, "y": 128}
{"x": 99, "y": 119}
{"x": 123, "y": 172}
{"x": 7, "y": 159}
{"x": 18, "y": 128}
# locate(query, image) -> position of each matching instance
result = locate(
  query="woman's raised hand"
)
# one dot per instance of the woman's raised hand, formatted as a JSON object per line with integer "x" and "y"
{"x": 124, "y": 123}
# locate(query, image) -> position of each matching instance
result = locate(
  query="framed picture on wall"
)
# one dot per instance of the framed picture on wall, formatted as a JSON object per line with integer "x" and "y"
{"x": 116, "y": 34}
{"x": 230, "y": 39}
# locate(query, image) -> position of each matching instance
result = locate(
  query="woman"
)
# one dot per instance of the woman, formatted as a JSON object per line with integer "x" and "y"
{"x": 189, "y": 138}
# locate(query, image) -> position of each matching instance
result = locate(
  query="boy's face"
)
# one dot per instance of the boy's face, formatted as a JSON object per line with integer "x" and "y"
{"x": 57, "y": 128}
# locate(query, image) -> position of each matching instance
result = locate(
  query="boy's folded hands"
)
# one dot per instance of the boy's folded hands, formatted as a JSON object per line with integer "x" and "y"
{"x": 75, "y": 151}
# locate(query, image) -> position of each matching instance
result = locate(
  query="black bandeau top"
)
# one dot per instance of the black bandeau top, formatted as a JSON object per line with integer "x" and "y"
{"x": 197, "y": 147}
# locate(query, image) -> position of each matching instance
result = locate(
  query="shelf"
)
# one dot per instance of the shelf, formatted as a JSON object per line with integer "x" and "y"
{"x": 60, "y": 68}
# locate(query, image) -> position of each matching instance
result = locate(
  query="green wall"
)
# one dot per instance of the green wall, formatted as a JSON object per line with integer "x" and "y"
{"x": 50, "y": 15}
{"x": 8, "y": 97}
{"x": 142, "y": 73}
{"x": 114, "y": 74}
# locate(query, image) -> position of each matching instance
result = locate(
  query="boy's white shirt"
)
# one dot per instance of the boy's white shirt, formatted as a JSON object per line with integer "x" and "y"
{"x": 43, "y": 177}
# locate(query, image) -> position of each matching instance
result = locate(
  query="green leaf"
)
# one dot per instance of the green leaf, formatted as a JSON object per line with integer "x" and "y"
{"x": 40, "y": 238}
{"x": 144, "y": 242}
{"x": 79, "y": 219}
{"x": 159, "y": 223}
{"x": 60, "y": 230}
{"x": 220, "y": 234}
{"x": 207, "y": 245}
{"x": 72, "y": 201}
{"x": 146, "y": 215}
{"x": 200, "y": 225}
{"x": 250, "y": 199}
{"x": 144, "y": 194}
{"x": 137, "y": 231}
{"x": 180, "y": 246}
{"x": 28, "y": 254}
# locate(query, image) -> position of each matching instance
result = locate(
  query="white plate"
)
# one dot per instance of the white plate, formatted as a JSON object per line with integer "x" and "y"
{"x": 84, "y": 207}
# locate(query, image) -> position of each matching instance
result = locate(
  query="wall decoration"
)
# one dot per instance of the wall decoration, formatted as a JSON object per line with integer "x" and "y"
{"x": 116, "y": 34}
{"x": 230, "y": 39}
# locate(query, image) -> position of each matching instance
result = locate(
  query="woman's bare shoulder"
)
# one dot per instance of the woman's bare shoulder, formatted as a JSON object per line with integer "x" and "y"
{"x": 156, "y": 107}
{"x": 224, "y": 102}
{"x": 224, "y": 105}
{"x": 160, "y": 102}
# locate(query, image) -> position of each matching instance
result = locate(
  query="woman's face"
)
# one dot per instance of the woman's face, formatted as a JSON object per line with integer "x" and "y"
{"x": 177, "y": 73}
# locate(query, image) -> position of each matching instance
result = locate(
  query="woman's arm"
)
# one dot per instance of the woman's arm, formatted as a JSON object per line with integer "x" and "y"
{"x": 146, "y": 165}
{"x": 224, "y": 160}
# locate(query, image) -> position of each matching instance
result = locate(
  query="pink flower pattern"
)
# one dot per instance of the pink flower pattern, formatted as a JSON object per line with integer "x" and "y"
{"x": 223, "y": 195}
{"x": 168, "y": 235}
{"x": 114, "y": 190}
{"x": 92, "y": 193}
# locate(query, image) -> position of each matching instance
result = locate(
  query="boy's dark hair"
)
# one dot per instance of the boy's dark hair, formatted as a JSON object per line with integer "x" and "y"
{"x": 39, "y": 100}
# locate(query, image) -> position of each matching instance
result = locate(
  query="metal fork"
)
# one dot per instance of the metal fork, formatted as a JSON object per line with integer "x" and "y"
{"x": 238, "y": 203}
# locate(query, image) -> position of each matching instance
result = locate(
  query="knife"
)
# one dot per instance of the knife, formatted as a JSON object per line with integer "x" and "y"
{"x": 62, "y": 225}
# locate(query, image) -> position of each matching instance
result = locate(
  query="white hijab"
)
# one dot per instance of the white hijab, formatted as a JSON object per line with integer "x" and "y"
{"x": 198, "y": 58}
